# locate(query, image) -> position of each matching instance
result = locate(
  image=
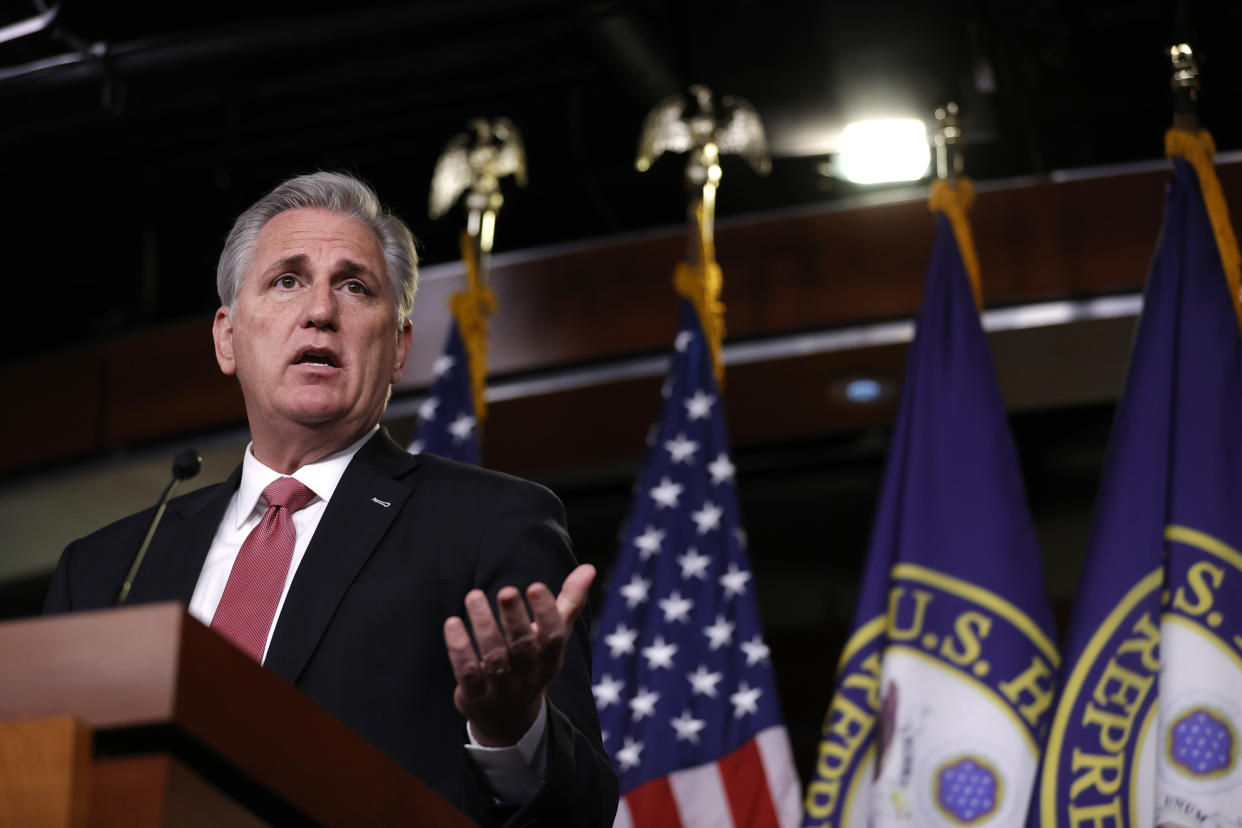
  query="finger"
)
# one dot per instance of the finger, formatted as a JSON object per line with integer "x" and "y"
{"x": 553, "y": 631}
{"x": 487, "y": 635}
{"x": 466, "y": 666}
{"x": 547, "y": 619}
{"x": 519, "y": 634}
{"x": 574, "y": 592}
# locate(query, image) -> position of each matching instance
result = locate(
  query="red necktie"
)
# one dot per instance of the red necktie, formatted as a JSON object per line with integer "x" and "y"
{"x": 252, "y": 592}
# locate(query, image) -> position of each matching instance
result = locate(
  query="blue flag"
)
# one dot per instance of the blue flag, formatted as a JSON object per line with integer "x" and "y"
{"x": 1147, "y": 729}
{"x": 447, "y": 424}
{"x": 944, "y": 691}
{"x": 685, "y": 692}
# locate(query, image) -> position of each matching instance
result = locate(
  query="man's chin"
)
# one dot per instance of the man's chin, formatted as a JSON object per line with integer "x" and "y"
{"x": 315, "y": 412}
{"x": 328, "y": 416}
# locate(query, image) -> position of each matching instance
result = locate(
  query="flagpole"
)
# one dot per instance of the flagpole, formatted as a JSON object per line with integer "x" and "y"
{"x": 952, "y": 193}
{"x": 472, "y": 164}
{"x": 705, "y": 130}
{"x": 1185, "y": 87}
{"x": 684, "y": 687}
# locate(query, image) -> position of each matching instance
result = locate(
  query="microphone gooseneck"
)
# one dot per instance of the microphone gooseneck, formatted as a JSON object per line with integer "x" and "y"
{"x": 185, "y": 465}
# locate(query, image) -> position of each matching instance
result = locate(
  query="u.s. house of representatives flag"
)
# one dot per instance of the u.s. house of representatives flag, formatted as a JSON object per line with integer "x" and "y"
{"x": 944, "y": 691}
{"x": 1147, "y": 729}
{"x": 685, "y": 692}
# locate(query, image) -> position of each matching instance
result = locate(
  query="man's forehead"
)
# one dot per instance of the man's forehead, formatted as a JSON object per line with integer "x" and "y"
{"x": 298, "y": 237}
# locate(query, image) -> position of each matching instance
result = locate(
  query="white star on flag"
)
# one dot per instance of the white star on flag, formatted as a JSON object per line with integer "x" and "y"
{"x": 461, "y": 427}
{"x": 734, "y": 581}
{"x": 680, "y": 449}
{"x": 666, "y": 494}
{"x": 700, "y": 405}
{"x": 643, "y": 704}
{"x": 745, "y": 700}
{"x": 635, "y": 592}
{"x": 703, "y": 681}
{"x": 442, "y": 365}
{"x": 627, "y": 756}
{"x": 720, "y": 633}
{"x": 608, "y": 691}
{"x": 756, "y": 651}
{"x": 659, "y": 654}
{"x": 427, "y": 411}
{"x": 683, "y": 340}
{"x": 675, "y": 607}
{"x": 693, "y": 564}
{"x": 721, "y": 469}
{"x": 687, "y": 727}
{"x": 621, "y": 641}
{"x": 707, "y": 518}
{"x": 648, "y": 542}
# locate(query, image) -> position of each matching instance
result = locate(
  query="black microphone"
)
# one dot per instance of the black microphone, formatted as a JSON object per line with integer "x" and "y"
{"x": 185, "y": 465}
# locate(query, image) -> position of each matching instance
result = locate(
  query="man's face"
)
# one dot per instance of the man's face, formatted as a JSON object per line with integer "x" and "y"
{"x": 312, "y": 333}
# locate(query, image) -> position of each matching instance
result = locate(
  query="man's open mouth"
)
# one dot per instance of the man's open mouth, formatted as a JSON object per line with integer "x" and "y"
{"x": 316, "y": 357}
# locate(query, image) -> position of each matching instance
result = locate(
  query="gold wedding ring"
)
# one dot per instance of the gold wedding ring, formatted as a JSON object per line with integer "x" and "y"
{"x": 496, "y": 671}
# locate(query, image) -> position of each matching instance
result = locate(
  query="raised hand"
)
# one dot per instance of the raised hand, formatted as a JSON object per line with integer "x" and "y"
{"x": 500, "y": 687}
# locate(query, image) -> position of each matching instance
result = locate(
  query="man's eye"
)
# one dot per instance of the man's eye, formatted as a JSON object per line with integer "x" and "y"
{"x": 286, "y": 281}
{"x": 356, "y": 287}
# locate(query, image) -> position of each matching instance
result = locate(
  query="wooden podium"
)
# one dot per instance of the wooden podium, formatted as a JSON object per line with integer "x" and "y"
{"x": 144, "y": 717}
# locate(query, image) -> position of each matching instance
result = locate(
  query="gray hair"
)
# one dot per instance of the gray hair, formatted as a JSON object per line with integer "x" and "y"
{"x": 339, "y": 193}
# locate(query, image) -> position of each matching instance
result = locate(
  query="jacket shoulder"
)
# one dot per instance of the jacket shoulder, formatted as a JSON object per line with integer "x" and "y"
{"x": 439, "y": 472}
{"x": 124, "y": 528}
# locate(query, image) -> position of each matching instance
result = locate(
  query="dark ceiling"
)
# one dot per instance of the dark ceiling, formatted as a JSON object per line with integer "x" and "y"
{"x": 132, "y": 133}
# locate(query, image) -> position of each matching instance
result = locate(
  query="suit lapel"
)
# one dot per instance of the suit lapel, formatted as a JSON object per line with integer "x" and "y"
{"x": 175, "y": 558}
{"x": 365, "y": 503}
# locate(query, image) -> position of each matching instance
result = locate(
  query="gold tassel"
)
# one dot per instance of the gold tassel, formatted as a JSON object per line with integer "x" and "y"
{"x": 954, "y": 201}
{"x": 701, "y": 282}
{"x": 1198, "y": 148}
{"x": 471, "y": 308}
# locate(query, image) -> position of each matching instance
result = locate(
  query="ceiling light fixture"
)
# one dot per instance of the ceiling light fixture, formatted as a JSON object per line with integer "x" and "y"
{"x": 875, "y": 152}
{"x": 862, "y": 389}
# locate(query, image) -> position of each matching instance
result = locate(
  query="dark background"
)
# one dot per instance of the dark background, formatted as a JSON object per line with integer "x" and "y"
{"x": 122, "y": 172}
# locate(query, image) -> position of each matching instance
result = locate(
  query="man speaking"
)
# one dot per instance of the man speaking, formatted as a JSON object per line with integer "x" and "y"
{"x": 341, "y": 562}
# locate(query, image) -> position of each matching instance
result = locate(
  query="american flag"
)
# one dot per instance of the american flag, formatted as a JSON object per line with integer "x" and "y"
{"x": 683, "y": 683}
{"x": 447, "y": 423}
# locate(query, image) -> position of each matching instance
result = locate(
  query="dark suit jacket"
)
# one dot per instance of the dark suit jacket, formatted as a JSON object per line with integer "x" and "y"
{"x": 402, "y": 541}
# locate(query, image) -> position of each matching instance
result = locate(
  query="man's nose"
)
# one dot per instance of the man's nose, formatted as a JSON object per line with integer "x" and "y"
{"x": 320, "y": 307}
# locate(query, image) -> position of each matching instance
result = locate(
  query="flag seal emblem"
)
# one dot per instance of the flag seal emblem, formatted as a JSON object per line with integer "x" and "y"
{"x": 968, "y": 789}
{"x": 1202, "y": 743}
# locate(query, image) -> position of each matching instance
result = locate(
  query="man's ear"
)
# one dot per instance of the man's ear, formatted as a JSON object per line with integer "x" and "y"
{"x": 222, "y": 333}
{"x": 405, "y": 339}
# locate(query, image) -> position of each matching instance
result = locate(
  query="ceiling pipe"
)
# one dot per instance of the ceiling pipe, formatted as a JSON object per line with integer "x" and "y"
{"x": 30, "y": 25}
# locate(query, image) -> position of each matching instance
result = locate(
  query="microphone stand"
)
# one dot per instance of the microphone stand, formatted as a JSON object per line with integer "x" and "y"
{"x": 185, "y": 465}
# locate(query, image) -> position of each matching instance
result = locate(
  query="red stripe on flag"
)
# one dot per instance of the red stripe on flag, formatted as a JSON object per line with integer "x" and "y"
{"x": 652, "y": 803}
{"x": 747, "y": 787}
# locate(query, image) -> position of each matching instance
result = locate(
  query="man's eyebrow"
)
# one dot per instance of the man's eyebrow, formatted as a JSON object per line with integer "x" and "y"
{"x": 349, "y": 268}
{"x": 291, "y": 262}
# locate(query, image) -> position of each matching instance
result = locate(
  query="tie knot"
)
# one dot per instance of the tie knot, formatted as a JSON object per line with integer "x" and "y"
{"x": 287, "y": 492}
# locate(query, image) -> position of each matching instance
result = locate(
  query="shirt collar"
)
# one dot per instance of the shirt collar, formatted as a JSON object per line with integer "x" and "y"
{"x": 321, "y": 477}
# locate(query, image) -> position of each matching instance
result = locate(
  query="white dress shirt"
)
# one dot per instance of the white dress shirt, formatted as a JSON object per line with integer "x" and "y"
{"x": 515, "y": 773}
